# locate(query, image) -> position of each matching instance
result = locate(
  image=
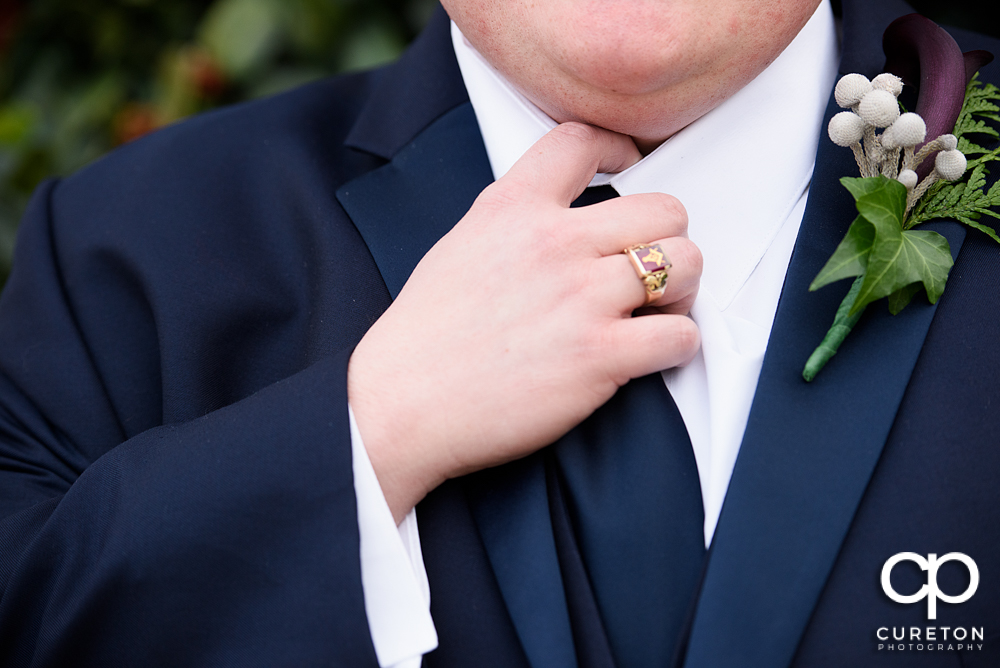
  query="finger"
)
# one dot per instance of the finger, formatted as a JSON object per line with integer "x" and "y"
{"x": 653, "y": 343}
{"x": 625, "y": 221}
{"x": 560, "y": 165}
{"x": 618, "y": 283}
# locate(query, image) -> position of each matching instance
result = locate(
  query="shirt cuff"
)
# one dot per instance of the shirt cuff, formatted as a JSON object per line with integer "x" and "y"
{"x": 397, "y": 594}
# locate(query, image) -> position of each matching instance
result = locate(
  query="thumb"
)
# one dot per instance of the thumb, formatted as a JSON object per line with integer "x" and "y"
{"x": 559, "y": 166}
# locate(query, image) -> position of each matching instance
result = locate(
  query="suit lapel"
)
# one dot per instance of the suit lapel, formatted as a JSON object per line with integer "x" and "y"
{"x": 418, "y": 117}
{"x": 809, "y": 449}
{"x": 406, "y": 206}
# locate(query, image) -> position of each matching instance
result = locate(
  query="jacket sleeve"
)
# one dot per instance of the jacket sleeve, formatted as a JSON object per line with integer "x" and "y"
{"x": 230, "y": 539}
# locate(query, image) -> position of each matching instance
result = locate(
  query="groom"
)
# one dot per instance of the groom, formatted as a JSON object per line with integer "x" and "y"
{"x": 182, "y": 482}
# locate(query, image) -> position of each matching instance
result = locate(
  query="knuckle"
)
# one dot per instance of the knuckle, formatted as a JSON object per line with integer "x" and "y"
{"x": 683, "y": 305}
{"x": 571, "y": 236}
{"x": 599, "y": 340}
{"x": 546, "y": 241}
{"x": 502, "y": 194}
{"x": 672, "y": 210}
{"x": 686, "y": 336}
{"x": 687, "y": 254}
{"x": 505, "y": 200}
{"x": 610, "y": 344}
{"x": 665, "y": 212}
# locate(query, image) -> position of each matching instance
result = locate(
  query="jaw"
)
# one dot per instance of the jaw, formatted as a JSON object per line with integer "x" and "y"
{"x": 645, "y": 68}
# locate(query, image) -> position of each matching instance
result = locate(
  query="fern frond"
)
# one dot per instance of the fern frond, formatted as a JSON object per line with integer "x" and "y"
{"x": 966, "y": 201}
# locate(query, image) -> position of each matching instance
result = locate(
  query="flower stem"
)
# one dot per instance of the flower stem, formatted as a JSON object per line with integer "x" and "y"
{"x": 842, "y": 325}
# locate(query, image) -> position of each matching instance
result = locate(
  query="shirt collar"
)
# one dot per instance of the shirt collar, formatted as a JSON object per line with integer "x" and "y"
{"x": 739, "y": 169}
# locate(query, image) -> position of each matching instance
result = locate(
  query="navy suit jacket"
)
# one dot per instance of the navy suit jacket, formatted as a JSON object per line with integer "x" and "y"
{"x": 175, "y": 463}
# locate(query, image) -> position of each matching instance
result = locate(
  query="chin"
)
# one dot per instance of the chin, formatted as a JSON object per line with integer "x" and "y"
{"x": 648, "y": 118}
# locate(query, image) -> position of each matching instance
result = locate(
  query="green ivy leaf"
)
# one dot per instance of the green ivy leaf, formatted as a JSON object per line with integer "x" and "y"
{"x": 899, "y": 259}
{"x": 884, "y": 204}
{"x": 931, "y": 255}
{"x": 899, "y": 299}
{"x": 851, "y": 256}
{"x": 859, "y": 187}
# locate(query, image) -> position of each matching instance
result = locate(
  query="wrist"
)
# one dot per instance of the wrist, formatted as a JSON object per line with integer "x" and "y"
{"x": 405, "y": 469}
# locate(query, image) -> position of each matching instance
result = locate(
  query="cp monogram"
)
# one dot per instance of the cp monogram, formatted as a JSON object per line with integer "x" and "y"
{"x": 930, "y": 590}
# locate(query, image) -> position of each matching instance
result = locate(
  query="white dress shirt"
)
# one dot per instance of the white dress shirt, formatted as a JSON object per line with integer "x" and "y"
{"x": 742, "y": 172}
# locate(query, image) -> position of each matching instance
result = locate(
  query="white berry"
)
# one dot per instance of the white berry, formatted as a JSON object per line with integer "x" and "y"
{"x": 879, "y": 108}
{"x": 846, "y": 128}
{"x": 908, "y": 131}
{"x": 950, "y": 164}
{"x": 889, "y": 83}
{"x": 850, "y": 89}
{"x": 948, "y": 142}
{"x": 908, "y": 178}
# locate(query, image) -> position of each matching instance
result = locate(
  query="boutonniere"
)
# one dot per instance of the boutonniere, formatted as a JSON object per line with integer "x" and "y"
{"x": 915, "y": 167}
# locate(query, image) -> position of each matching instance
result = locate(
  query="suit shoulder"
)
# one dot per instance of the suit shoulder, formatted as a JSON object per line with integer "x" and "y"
{"x": 241, "y": 166}
{"x": 315, "y": 117}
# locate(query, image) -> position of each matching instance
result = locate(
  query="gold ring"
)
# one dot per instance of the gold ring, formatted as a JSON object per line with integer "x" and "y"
{"x": 651, "y": 264}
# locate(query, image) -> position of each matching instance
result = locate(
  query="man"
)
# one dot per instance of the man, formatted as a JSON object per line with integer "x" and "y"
{"x": 179, "y": 479}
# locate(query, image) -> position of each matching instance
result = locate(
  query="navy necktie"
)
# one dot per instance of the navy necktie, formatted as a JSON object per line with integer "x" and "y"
{"x": 628, "y": 520}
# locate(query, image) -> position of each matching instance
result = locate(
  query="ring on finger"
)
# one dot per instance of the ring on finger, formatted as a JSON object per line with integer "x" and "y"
{"x": 651, "y": 264}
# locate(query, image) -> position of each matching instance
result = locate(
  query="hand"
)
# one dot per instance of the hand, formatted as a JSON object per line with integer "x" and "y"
{"x": 517, "y": 324}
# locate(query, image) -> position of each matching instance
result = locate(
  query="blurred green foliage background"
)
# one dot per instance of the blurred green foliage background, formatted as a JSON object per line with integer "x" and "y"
{"x": 78, "y": 77}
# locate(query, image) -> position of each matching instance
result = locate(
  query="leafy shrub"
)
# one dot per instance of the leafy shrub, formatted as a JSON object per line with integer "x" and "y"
{"x": 78, "y": 77}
